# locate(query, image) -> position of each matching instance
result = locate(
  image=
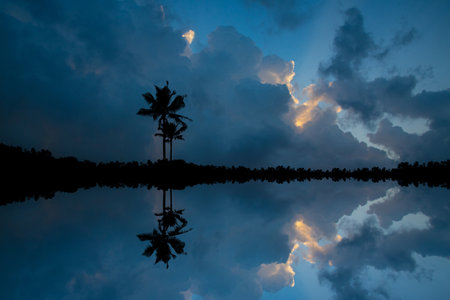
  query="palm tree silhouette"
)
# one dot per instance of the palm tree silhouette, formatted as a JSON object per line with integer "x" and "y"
{"x": 163, "y": 242}
{"x": 162, "y": 108}
{"x": 171, "y": 217}
{"x": 172, "y": 131}
{"x": 163, "y": 239}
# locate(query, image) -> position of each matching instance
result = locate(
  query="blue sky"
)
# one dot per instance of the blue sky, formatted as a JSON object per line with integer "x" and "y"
{"x": 306, "y": 83}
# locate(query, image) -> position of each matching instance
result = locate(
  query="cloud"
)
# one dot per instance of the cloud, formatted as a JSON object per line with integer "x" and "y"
{"x": 403, "y": 38}
{"x": 376, "y": 102}
{"x": 381, "y": 240}
{"x": 351, "y": 45}
{"x": 77, "y": 76}
{"x": 73, "y": 72}
{"x": 287, "y": 14}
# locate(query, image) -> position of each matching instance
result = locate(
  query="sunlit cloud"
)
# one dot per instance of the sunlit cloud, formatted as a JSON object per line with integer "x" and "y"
{"x": 189, "y": 37}
{"x": 273, "y": 74}
{"x": 305, "y": 111}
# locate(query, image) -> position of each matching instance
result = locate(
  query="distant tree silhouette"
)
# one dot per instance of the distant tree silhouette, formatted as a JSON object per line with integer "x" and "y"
{"x": 163, "y": 240}
{"x": 172, "y": 131}
{"x": 37, "y": 174}
{"x": 163, "y": 108}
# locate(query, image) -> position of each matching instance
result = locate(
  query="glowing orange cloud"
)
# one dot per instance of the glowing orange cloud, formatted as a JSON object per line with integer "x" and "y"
{"x": 189, "y": 36}
{"x": 307, "y": 109}
{"x": 269, "y": 76}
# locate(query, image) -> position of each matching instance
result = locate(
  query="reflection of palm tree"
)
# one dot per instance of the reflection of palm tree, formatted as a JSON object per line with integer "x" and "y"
{"x": 163, "y": 240}
{"x": 170, "y": 217}
{"x": 162, "y": 109}
{"x": 172, "y": 131}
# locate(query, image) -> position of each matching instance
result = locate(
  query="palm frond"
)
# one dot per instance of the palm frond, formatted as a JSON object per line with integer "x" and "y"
{"x": 177, "y": 104}
{"x": 146, "y": 236}
{"x": 177, "y": 117}
{"x": 177, "y": 245}
{"x": 149, "y": 98}
{"x": 149, "y": 251}
{"x": 145, "y": 112}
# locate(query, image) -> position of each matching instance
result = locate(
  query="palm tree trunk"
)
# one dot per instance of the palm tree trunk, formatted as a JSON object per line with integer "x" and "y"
{"x": 164, "y": 146}
{"x": 164, "y": 139}
{"x": 170, "y": 149}
{"x": 170, "y": 199}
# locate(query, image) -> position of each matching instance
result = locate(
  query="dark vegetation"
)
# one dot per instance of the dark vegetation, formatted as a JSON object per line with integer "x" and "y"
{"x": 34, "y": 174}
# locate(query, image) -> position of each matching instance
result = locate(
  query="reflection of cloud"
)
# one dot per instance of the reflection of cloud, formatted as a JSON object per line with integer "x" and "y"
{"x": 362, "y": 242}
{"x": 276, "y": 276}
{"x": 306, "y": 236}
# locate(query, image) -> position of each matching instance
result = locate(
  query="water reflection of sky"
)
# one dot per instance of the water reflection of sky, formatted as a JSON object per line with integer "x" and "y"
{"x": 312, "y": 240}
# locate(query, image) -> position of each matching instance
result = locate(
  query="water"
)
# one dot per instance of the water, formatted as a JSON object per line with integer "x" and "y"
{"x": 309, "y": 240}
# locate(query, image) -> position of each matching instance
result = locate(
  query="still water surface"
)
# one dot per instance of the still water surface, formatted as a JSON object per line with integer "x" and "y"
{"x": 309, "y": 240}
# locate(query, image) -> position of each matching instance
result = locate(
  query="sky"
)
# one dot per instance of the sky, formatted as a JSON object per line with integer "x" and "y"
{"x": 317, "y": 84}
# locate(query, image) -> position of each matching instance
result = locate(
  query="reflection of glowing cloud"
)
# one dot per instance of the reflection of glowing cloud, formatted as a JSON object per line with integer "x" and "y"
{"x": 275, "y": 276}
{"x": 305, "y": 235}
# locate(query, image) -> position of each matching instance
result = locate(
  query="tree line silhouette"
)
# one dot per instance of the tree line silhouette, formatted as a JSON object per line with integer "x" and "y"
{"x": 36, "y": 174}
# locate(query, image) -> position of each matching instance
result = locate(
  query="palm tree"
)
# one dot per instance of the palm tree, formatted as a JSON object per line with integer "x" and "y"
{"x": 171, "y": 217}
{"x": 163, "y": 240}
{"x": 172, "y": 131}
{"x": 162, "y": 108}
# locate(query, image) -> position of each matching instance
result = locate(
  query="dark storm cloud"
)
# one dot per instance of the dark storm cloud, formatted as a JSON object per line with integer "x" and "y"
{"x": 322, "y": 140}
{"x": 75, "y": 77}
{"x": 72, "y": 72}
{"x": 401, "y": 38}
{"x": 351, "y": 45}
